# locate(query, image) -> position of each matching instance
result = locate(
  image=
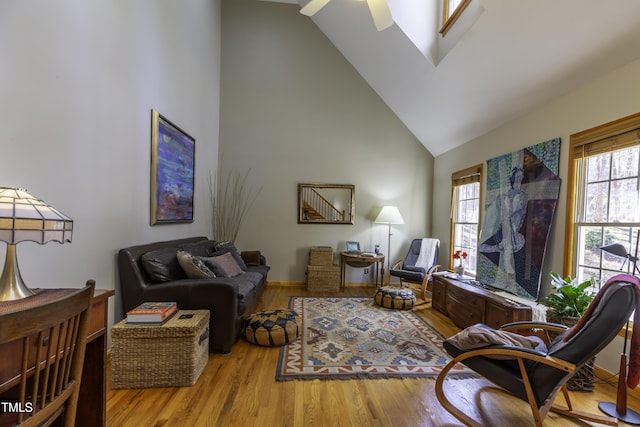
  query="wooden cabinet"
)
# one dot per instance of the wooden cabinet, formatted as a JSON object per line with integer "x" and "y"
{"x": 467, "y": 305}
{"x": 439, "y": 294}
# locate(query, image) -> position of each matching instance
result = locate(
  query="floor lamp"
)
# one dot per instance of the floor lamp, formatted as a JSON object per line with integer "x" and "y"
{"x": 618, "y": 409}
{"x": 389, "y": 215}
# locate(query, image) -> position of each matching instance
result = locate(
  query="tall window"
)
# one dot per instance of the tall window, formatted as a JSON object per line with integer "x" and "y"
{"x": 465, "y": 215}
{"x": 451, "y": 11}
{"x": 603, "y": 198}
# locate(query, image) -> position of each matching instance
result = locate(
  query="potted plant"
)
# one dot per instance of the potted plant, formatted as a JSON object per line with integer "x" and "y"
{"x": 569, "y": 299}
{"x": 459, "y": 255}
{"x": 566, "y": 304}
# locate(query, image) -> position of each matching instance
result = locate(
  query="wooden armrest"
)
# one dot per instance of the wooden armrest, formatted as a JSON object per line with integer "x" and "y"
{"x": 553, "y": 327}
{"x": 397, "y": 265}
{"x": 541, "y": 329}
{"x": 518, "y": 354}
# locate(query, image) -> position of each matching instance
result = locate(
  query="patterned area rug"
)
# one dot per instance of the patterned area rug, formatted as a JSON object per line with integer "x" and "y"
{"x": 345, "y": 337}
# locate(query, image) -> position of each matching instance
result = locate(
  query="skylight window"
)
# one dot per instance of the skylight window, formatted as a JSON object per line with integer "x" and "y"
{"x": 451, "y": 11}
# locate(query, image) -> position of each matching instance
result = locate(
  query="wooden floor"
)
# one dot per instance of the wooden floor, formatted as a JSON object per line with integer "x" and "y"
{"x": 239, "y": 389}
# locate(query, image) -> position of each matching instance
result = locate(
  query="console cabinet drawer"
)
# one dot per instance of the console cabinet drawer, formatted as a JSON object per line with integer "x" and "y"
{"x": 464, "y": 312}
{"x": 439, "y": 295}
{"x": 471, "y": 300}
{"x": 497, "y": 315}
{"x": 467, "y": 305}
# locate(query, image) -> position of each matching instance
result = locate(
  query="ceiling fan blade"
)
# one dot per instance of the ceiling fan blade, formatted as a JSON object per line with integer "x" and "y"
{"x": 381, "y": 14}
{"x": 313, "y": 6}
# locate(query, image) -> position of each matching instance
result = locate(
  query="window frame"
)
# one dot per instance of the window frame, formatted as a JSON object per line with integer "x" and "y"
{"x": 608, "y": 137}
{"x": 449, "y": 17}
{"x": 469, "y": 175}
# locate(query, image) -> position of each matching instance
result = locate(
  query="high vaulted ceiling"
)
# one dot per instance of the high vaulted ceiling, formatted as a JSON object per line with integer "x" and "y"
{"x": 502, "y": 59}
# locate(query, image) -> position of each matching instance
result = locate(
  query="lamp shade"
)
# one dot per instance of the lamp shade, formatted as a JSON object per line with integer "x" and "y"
{"x": 616, "y": 249}
{"x": 26, "y": 218}
{"x": 389, "y": 215}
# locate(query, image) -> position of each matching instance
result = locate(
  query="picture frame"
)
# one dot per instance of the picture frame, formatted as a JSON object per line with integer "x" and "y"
{"x": 353, "y": 246}
{"x": 326, "y": 204}
{"x": 172, "y": 172}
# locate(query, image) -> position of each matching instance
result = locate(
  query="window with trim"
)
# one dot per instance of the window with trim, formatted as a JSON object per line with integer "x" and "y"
{"x": 603, "y": 199}
{"x": 451, "y": 11}
{"x": 465, "y": 215}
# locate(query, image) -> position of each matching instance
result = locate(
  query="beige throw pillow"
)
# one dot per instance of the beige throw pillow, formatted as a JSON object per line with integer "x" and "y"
{"x": 193, "y": 267}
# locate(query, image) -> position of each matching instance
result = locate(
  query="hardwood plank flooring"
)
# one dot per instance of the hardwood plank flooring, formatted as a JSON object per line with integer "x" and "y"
{"x": 239, "y": 389}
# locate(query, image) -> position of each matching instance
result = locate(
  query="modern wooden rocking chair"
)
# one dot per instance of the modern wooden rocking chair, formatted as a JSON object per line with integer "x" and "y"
{"x": 535, "y": 375}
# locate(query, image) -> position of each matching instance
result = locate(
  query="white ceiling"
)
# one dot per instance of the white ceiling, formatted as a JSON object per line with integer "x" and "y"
{"x": 501, "y": 60}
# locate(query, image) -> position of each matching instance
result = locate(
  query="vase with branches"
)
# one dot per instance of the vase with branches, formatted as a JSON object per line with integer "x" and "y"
{"x": 231, "y": 198}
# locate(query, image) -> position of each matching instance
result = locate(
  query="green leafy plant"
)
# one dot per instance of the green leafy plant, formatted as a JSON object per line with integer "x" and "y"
{"x": 569, "y": 297}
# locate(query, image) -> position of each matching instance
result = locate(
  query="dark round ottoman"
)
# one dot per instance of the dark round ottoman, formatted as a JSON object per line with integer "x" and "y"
{"x": 272, "y": 328}
{"x": 395, "y": 297}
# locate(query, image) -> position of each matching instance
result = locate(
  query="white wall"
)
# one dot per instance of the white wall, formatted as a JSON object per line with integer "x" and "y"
{"x": 293, "y": 110}
{"x": 77, "y": 83}
{"x": 610, "y": 97}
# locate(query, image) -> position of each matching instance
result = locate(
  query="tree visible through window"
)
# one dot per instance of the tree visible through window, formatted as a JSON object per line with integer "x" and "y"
{"x": 465, "y": 209}
{"x": 605, "y": 198}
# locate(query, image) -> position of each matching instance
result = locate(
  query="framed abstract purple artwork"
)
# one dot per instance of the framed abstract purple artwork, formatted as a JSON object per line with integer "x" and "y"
{"x": 172, "y": 172}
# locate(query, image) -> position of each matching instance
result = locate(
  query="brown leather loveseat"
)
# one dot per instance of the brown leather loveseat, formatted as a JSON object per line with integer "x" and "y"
{"x": 152, "y": 272}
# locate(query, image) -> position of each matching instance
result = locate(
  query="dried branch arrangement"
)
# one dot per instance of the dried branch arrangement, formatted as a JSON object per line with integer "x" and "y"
{"x": 231, "y": 198}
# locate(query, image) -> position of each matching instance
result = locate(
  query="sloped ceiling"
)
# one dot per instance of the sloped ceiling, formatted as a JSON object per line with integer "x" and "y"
{"x": 503, "y": 58}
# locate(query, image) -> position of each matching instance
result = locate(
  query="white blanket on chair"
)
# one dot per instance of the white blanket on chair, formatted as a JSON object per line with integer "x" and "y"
{"x": 428, "y": 248}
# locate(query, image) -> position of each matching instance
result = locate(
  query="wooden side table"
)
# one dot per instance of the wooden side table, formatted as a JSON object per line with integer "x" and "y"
{"x": 359, "y": 260}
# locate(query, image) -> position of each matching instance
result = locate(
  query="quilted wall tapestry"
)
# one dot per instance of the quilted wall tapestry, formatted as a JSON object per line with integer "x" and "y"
{"x": 522, "y": 193}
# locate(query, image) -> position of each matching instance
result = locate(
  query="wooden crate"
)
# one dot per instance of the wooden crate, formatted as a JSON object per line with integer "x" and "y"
{"x": 321, "y": 256}
{"x": 171, "y": 355}
{"x": 323, "y": 278}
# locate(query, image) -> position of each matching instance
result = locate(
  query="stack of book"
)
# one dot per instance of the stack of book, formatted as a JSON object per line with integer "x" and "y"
{"x": 151, "y": 313}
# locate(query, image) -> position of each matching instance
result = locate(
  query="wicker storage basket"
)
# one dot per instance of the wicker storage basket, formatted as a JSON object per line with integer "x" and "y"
{"x": 321, "y": 256}
{"x": 171, "y": 355}
{"x": 321, "y": 278}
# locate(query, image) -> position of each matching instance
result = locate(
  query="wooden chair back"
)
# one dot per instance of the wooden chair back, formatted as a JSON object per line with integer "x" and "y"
{"x": 50, "y": 341}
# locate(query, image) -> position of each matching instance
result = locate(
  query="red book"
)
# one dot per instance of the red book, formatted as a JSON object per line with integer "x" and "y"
{"x": 152, "y": 312}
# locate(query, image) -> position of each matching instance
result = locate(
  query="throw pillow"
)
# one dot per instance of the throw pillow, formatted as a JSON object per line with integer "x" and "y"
{"x": 479, "y": 336}
{"x": 162, "y": 265}
{"x": 224, "y": 247}
{"x": 223, "y": 265}
{"x": 193, "y": 267}
{"x": 250, "y": 258}
{"x": 202, "y": 248}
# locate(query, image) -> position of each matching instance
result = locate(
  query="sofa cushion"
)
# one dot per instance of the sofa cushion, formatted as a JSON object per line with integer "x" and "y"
{"x": 193, "y": 266}
{"x": 247, "y": 294}
{"x": 202, "y": 248}
{"x": 223, "y": 265}
{"x": 252, "y": 276}
{"x": 220, "y": 249}
{"x": 263, "y": 270}
{"x": 162, "y": 265}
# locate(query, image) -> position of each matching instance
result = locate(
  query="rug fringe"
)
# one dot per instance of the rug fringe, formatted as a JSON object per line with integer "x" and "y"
{"x": 280, "y": 377}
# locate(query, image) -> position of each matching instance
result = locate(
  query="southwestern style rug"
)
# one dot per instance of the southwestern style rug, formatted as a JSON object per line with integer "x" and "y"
{"x": 347, "y": 337}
